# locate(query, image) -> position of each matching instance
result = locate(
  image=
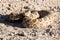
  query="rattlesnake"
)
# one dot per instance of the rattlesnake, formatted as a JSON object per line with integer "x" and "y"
{"x": 45, "y": 21}
{"x": 34, "y": 19}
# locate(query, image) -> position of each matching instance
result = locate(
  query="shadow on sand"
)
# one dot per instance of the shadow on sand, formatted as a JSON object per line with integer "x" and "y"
{"x": 4, "y": 19}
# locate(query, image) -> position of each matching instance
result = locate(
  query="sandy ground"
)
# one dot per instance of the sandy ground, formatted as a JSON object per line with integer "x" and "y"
{"x": 13, "y": 31}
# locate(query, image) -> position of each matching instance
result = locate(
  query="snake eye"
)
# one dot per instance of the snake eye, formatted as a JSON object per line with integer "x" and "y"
{"x": 33, "y": 11}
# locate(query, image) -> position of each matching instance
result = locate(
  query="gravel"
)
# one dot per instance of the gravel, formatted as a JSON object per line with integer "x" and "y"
{"x": 13, "y": 31}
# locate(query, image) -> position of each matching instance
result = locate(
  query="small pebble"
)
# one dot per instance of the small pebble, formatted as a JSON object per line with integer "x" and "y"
{"x": 1, "y": 38}
{"x": 20, "y": 34}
